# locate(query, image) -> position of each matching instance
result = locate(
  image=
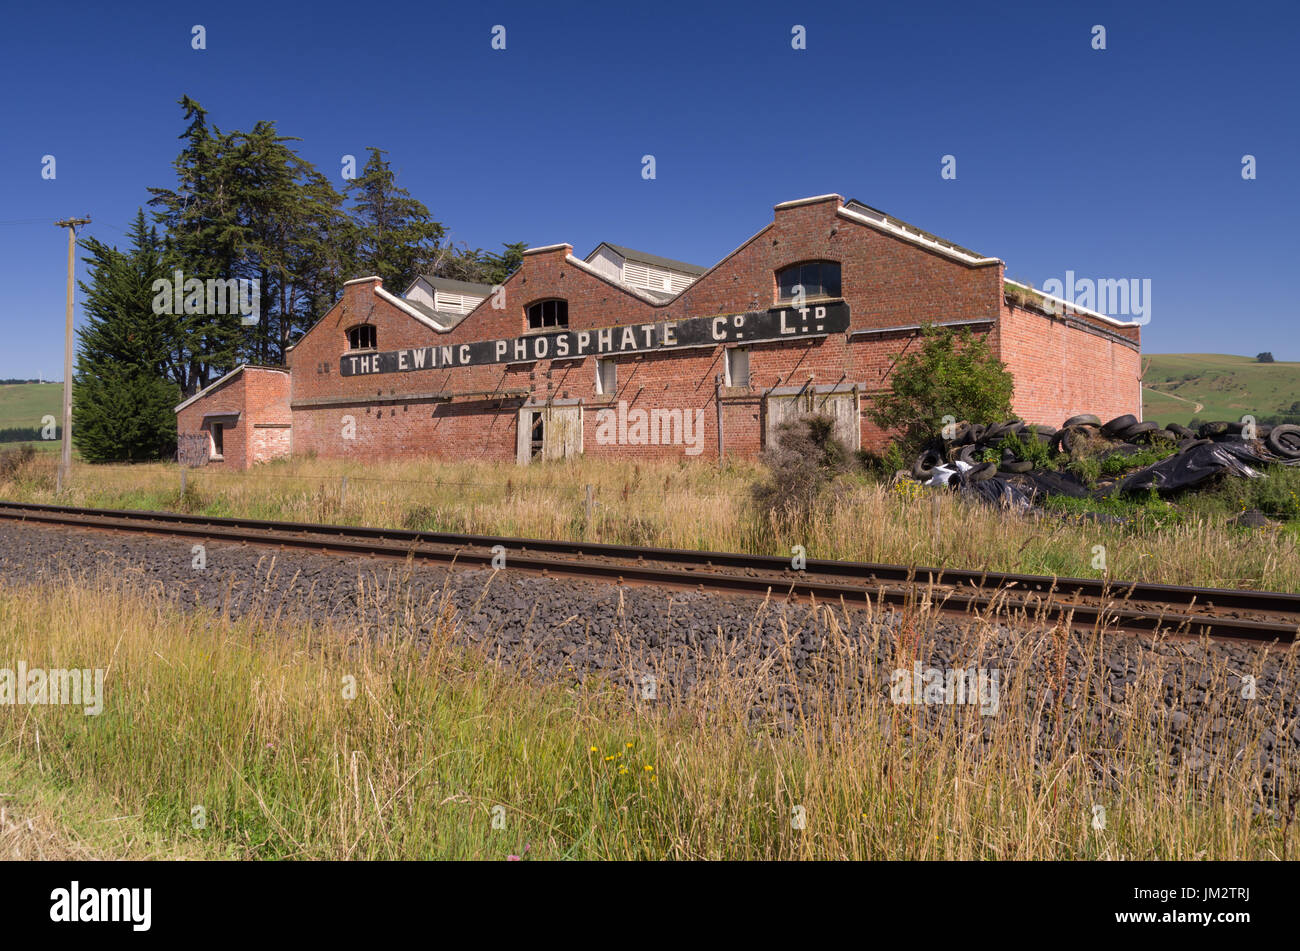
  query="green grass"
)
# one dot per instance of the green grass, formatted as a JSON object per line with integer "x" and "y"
{"x": 1224, "y": 385}
{"x": 253, "y": 723}
{"x": 24, "y": 404}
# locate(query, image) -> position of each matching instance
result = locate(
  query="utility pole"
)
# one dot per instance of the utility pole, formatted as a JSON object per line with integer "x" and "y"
{"x": 65, "y": 468}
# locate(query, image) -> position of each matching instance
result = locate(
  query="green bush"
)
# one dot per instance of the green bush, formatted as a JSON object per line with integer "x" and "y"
{"x": 949, "y": 374}
{"x": 1028, "y": 448}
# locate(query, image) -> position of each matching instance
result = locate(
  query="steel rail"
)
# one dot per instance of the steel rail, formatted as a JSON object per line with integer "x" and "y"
{"x": 1087, "y": 603}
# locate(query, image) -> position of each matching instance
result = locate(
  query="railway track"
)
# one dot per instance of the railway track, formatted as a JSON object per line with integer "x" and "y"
{"x": 1084, "y": 603}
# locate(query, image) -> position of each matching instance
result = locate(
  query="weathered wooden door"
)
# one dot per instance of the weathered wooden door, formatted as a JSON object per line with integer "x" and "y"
{"x": 548, "y": 432}
{"x": 841, "y": 407}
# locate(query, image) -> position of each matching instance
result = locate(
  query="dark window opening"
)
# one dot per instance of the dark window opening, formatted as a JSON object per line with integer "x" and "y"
{"x": 548, "y": 313}
{"x": 218, "y": 440}
{"x": 817, "y": 278}
{"x": 362, "y": 337}
{"x": 537, "y": 436}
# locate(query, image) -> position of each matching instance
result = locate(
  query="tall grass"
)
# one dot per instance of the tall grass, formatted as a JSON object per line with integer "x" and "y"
{"x": 251, "y": 722}
{"x": 694, "y": 505}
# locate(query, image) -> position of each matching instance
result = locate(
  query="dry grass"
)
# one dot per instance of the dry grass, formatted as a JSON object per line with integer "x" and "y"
{"x": 251, "y": 721}
{"x": 686, "y": 505}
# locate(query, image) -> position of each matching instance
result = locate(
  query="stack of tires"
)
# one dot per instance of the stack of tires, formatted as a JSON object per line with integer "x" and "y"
{"x": 974, "y": 443}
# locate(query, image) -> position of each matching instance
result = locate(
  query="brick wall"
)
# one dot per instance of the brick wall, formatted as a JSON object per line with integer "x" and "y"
{"x": 1063, "y": 367}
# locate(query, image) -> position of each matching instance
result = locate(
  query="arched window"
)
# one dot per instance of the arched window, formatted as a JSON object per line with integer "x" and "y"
{"x": 548, "y": 313}
{"x": 817, "y": 278}
{"x": 362, "y": 337}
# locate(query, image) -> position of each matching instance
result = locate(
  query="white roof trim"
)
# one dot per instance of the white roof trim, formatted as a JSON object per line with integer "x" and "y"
{"x": 1075, "y": 307}
{"x": 916, "y": 239}
{"x": 634, "y": 291}
{"x": 217, "y": 382}
{"x": 547, "y": 247}
{"x": 211, "y": 386}
{"x": 363, "y": 280}
{"x": 805, "y": 201}
{"x": 406, "y": 308}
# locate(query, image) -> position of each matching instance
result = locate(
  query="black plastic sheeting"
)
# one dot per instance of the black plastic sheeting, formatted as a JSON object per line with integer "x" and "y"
{"x": 1193, "y": 466}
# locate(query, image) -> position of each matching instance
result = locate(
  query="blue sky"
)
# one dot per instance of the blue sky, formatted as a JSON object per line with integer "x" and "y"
{"x": 1122, "y": 163}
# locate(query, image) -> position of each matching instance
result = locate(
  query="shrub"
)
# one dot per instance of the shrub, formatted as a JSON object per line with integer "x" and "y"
{"x": 13, "y": 461}
{"x": 1029, "y": 448}
{"x": 950, "y": 374}
{"x": 882, "y": 466}
{"x": 803, "y": 459}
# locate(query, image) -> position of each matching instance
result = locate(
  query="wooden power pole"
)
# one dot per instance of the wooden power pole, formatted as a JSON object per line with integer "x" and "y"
{"x": 65, "y": 467}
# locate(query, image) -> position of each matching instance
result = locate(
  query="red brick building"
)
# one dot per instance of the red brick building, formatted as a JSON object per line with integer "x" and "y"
{"x": 243, "y": 417}
{"x": 631, "y": 354}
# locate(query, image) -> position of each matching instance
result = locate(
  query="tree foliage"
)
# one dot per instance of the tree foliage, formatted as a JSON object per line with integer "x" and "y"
{"x": 123, "y": 393}
{"x": 948, "y": 374}
{"x": 245, "y": 206}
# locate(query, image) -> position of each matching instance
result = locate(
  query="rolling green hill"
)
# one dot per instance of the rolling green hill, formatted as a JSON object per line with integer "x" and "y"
{"x": 23, "y": 405}
{"x": 1179, "y": 386}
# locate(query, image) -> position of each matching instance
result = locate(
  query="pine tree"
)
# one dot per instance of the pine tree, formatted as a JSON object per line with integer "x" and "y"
{"x": 397, "y": 237}
{"x": 497, "y": 268}
{"x": 123, "y": 399}
{"x": 204, "y": 237}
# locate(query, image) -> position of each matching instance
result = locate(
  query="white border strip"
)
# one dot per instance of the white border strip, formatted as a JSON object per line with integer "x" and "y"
{"x": 211, "y": 386}
{"x": 915, "y": 239}
{"x": 634, "y": 291}
{"x": 406, "y": 308}
{"x": 805, "y": 201}
{"x": 1075, "y": 307}
{"x": 548, "y": 247}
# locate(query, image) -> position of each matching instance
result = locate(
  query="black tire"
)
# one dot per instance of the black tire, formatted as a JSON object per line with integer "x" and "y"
{"x": 1210, "y": 430}
{"x": 1180, "y": 431}
{"x": 981, "y": 473}
{"x": 962, "y": 435}
{"x": 1285, "y": 441}
{"x": 1192, "y": 443}
{"x": 1086, "y": 419}
{"x": 1119, "y": 424}
{"x": 1019, "y": 465}
{"x": 1138, "y": 429}
{"x": 1061, "y": 441}
{"x": 1262, "y": 430}
{"x": 977, "y": 431}
{"x": 923, "y": 468}
{"x": 995, "y": 432}
{"x": 1045, "y": 434}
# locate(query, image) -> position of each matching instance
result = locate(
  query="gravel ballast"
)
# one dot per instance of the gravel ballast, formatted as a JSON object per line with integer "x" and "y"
{"x": 573, "y": 630}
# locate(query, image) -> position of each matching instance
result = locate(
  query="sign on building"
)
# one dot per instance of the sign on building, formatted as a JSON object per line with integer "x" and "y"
{"x": 779, "y": 323}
